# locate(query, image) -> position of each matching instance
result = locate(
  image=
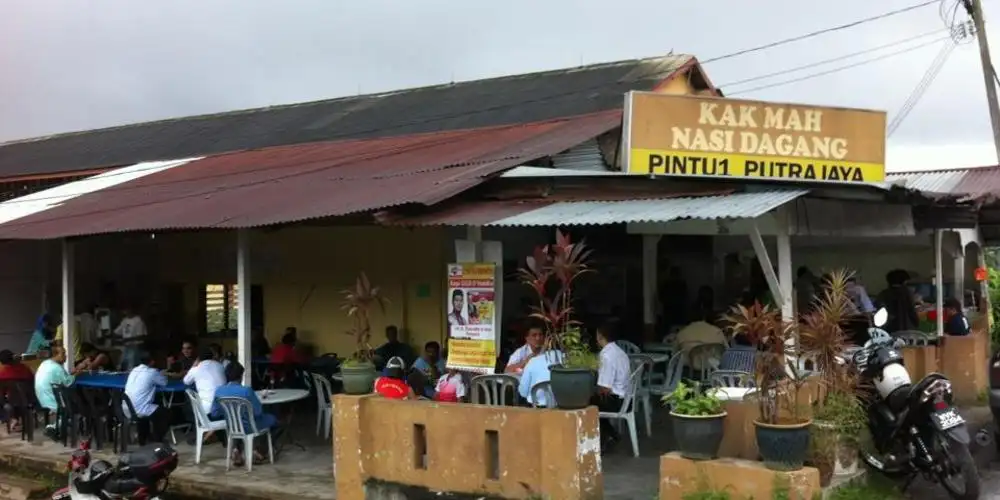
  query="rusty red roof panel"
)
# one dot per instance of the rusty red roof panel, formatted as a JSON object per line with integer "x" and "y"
{"x": 974, "y": 182}
{"x": 293, "y": 183}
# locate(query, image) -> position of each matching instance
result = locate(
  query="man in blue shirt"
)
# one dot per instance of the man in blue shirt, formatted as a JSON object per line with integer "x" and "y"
{"x": 535, "y": 372}
{"x": 428, "y": 369}
{"x": 234, "y": 389}
{"x": 957, "y": 323}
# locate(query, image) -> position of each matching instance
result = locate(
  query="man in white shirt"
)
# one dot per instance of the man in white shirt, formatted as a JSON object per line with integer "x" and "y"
{"x": 141, "y": 386}
{"x": 534, "y": 341}
{"x": 206, "y": 375}
{"x": 132, "y": 331}
{"x": 613, "y": 383}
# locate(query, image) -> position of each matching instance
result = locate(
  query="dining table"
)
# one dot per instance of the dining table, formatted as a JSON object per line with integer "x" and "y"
{"x": 117, "y": 380}
{"x": 280, "y": 397}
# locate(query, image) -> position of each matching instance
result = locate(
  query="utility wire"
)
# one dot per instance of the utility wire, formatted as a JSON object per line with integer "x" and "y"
{"x": 834, "y": 59}
{"x": 839, "y": 68}
{"x": 561, "y": 94}
{"x": 921, "y": 88}
{"x": 821, "y": 32}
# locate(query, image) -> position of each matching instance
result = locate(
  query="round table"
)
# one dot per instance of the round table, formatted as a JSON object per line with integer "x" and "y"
{"x": 732, "y": 393}
{"x": 657, "y": 347}
{"x": 281, "y": 396}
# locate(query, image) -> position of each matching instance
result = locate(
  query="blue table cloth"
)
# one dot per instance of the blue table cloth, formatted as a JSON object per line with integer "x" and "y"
{"x": 117, "y": 381}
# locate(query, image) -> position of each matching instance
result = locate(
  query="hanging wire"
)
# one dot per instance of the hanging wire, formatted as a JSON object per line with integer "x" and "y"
{"x": 925, "y": 82}
{"x": 957, "y": 20}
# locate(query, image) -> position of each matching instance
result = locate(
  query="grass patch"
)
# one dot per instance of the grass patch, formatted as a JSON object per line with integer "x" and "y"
{"x": 871, "y": 488}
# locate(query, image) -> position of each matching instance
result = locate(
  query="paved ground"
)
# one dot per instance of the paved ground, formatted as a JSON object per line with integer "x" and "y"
{"x": 308, "y": 475}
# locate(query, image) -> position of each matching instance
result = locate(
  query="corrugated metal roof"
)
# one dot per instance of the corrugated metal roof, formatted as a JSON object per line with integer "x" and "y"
{"x": 293, "y": 183}
{"x": 570, "y": 213}
{"x": 975, "y": 181}
{"x": 490, "y": 102}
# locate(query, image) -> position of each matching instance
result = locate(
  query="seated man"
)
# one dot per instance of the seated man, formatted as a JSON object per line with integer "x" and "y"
{"x": 51, "y": 372}
{"x": 206, "y": 375}
{"x": 140, "y": 387}
{"x": 533, "y": 344}
{"x": 94, "y": 358}
{"x": 613, "y": 383}
{"x": 11, "y": 370}
{"x": 427, "y": 370}
{"x": 957, "y": 323}
{"x": 537, "y": 371}
{"x": 393, "y": 347}
{"x": 234, "y": 389}
{"x": 392, "y": 384}
{"x": 180, "y": 365}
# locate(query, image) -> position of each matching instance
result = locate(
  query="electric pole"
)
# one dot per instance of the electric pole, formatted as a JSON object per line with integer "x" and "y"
{"x": 975, "y": 10}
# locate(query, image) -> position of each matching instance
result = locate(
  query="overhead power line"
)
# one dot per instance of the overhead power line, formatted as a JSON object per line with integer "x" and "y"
{"x": 922, "y": 86}
{"x": 835, "y": 59}
{"x": 822, "y": 31}
{"x": 839, "y": 68}
{"x": 563, "y": 93}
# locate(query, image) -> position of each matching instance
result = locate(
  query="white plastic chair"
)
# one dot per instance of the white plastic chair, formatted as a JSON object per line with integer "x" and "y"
{"x": 202, "y": 424}
{"x": 543, "y": 389}
{"x": 643, "y": 393}
{"x": 627, "y": 411}
{"x": 493, "y": 389}
{"x": 732, "y": 378}
{"x": 235, "y": 408}
{"x": 324, "y": 404}
{"x": 675, "y": 369}
{"x": 628, "y": 347}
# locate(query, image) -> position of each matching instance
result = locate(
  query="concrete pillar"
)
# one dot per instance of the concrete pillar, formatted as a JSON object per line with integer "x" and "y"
{"x": 68, "y": 306}
{"x": 243, "y": 337}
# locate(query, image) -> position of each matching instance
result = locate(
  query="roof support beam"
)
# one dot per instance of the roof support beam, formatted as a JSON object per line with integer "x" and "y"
{"x": 765, "y": 264}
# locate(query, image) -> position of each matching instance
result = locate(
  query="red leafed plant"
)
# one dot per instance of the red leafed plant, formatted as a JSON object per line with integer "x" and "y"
{"x": 358, "y": 302}
{"x": 551, "y": 271}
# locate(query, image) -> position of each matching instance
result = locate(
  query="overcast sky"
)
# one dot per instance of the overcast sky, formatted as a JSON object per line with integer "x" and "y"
{"x": 69, "y": 65}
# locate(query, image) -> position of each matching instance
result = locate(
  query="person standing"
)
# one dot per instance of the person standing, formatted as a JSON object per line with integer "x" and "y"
{"x": 132, "y": 331}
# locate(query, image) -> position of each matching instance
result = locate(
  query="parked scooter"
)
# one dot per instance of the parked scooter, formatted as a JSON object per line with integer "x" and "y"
{"x": 140, "y": 475}
{"x": 995, "y": 397}
{"x": 915, "y": 428}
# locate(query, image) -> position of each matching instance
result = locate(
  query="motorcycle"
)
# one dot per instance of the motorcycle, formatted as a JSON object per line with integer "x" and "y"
{"x": 142, "y": 474}
{"x": 915, "y": 428}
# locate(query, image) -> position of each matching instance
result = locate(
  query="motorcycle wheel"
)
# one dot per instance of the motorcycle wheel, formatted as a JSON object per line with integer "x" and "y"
{"x": 963, "y": 485}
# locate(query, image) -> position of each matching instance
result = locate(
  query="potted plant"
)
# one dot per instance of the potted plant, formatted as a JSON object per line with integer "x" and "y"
{"x": 698, "y": 418}
{"x": 838, "y": 415}
{"x": 781, "y": 430}
{"x": 358, "y": 371}
{"x": 551, "y": 272}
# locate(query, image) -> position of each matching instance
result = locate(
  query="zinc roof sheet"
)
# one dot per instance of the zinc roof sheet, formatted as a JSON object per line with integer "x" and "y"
{"x": 974, "y": 182}
{"x": 293, "y": 183}
{"x": 570, "y": 213}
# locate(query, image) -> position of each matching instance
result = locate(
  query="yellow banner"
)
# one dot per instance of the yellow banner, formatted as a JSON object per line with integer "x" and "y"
{"x": 687, "y": 135}
{"x": 472, "y": 355}
{"x": 699, "y": 164}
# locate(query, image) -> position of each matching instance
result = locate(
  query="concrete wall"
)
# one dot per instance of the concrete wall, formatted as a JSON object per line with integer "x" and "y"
{"x": 505, "y": 452}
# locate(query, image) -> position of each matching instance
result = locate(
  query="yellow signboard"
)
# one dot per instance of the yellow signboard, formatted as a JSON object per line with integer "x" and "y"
{"x": 684, "y": 135}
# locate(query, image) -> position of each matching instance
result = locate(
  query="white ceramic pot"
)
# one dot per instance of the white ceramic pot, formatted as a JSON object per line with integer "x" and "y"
{"x": 845, "y": 459}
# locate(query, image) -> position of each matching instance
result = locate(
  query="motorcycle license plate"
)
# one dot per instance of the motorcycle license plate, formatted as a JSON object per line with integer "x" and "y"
{"x": 947, "y": 418}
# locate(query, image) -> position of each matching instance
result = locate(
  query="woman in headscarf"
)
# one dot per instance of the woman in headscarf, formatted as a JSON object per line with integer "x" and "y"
{"x": 41, "y": 338}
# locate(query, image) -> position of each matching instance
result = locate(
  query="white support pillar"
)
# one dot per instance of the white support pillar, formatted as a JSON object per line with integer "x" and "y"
{"x": 650, "y": 275}
{"x": 765, "y": 264}
{"x": 68, "y": 307}
{"x": 784, "y": 249}
{"x": 475, "y": 235}
{"x": 959, "y": 273}
{"x": 243, "y": 302}
{"x": 939, "y": 280}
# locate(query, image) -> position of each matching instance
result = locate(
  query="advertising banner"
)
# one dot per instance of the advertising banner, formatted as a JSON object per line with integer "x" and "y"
{"x": 471, "y": 311}
{"x": 699, "y": 136}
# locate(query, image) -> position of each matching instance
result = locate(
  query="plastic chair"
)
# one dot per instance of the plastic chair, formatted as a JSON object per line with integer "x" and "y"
{"x": 675, "y": 370}
{"x": 543, "y": 389}
{"x": 235, "y": 409}
{"x": 324, "y": 404}
{"x": 202, "y": 424}
{"x": 493, "y": 389}
{"x": 628, "y": 347}
{"x": 97, "y": 412}
{"x": 643, "y": 389}
{"x": 126, "y": 419}
{"x": 627, "y": 411}
{"x": 731, "y": 378}
{"x": 68, "y": 418}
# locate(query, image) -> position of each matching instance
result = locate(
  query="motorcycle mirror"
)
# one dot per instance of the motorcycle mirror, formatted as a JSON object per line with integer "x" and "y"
{"x": 881, "y": 317}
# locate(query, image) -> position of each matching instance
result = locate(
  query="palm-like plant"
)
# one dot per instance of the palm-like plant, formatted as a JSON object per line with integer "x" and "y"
{"x": 764, "y": 328}
{"x": 551, "y": 272}
{"x": 822, "y": 336}
{"x": 359, "y": 300}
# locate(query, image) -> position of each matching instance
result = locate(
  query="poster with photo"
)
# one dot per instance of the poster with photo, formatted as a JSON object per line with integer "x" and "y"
{"x": 471, "y": 312}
